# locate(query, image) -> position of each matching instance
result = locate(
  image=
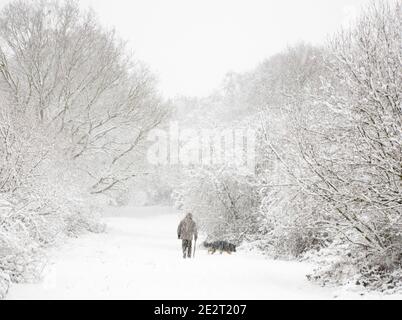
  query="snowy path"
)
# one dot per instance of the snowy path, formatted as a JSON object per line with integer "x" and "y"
{"x": 139, "y": 258}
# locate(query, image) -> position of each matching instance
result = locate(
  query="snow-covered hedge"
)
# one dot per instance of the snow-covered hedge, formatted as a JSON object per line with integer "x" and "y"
{"x": 27, "y": 228}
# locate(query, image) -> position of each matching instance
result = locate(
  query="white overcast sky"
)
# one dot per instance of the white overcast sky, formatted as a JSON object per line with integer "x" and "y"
{"x": 192, "y": 44}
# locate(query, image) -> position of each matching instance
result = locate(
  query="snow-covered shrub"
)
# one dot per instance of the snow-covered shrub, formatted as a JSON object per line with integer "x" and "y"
{"x": 224, "y": 203}
{"x": 4, "y": 284}
{"x": 292, "y": 227}
{"x": 344, "y": 264}
{"x": 19, "y": 244}
{"x": 78, "y": 223}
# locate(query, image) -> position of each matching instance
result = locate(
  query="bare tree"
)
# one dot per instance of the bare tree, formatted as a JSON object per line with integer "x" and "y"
{"x": 75, "y": 79}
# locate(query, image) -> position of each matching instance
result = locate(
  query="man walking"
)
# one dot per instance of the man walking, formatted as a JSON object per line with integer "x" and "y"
{"x": 186, "y": 231}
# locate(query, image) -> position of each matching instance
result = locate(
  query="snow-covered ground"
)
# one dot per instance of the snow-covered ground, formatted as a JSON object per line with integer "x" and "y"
{"x": 140, "y": 258}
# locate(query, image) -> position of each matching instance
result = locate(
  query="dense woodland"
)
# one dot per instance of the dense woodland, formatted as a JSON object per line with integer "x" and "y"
{"x": 76, "y": 110}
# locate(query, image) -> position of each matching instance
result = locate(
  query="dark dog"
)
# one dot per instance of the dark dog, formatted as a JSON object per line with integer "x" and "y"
{"x": 221, "y": 246}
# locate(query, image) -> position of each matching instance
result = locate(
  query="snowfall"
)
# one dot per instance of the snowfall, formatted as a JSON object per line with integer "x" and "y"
{"x": 139, "y": 257}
